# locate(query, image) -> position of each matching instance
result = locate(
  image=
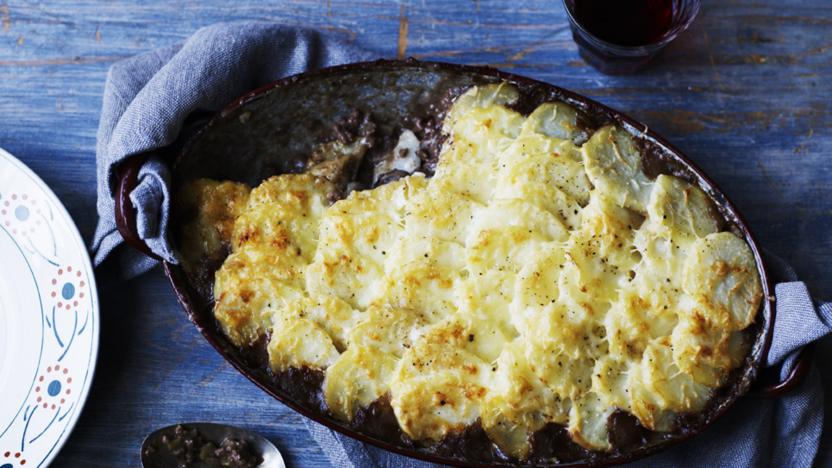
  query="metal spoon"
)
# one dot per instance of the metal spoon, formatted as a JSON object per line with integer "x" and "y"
{"x": 155, "y": 453}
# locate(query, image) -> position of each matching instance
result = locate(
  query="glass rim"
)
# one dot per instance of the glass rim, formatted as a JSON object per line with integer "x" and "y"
{"x": 639, "y": 50}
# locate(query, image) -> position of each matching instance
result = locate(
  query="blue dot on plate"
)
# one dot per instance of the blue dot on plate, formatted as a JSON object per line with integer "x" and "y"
{"x": 6, "y": 465}
{"x": 21, "y": 213}
{"x": 68, "y": 291}
{"x": 53, "y": 389}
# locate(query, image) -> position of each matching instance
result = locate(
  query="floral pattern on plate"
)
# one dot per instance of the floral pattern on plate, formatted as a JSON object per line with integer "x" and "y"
{"x": 48, "y": 319}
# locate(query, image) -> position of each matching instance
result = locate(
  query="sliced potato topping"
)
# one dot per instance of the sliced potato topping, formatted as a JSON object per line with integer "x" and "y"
{"x": 212, "y": 208}
{"x": 530, "y": 281}
{"x": 613, "y": 165}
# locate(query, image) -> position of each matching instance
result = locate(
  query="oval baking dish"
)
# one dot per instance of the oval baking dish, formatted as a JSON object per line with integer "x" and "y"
{"x": 272, "y": 131}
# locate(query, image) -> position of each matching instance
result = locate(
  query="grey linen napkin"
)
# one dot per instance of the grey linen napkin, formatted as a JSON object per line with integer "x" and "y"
{"x": 147, "y": 99}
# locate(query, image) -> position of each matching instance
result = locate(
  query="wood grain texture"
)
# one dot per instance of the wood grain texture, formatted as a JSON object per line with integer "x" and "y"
{"x": 745, "y": 93}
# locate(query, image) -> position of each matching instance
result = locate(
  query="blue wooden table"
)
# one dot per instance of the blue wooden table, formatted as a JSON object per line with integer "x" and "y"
{"x": 746, "y": 93}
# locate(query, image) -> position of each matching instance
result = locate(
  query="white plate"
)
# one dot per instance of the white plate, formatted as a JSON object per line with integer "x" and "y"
{"x": 48, "y": 319}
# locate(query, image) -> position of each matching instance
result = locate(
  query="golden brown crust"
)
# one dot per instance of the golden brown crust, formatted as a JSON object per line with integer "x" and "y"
{"x": 530, "y": 282}
{"x": 212, "y": 208}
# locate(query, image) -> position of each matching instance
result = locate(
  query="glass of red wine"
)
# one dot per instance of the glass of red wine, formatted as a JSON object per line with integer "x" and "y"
{"x": 621, "y": 36}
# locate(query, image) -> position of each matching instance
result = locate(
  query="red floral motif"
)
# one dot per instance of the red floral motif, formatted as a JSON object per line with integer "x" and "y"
{"x": 68, "y": 287}
{"x": 19, "y": 213}
{"x": 11, "y": 459}
{"x": 53, "y": 387}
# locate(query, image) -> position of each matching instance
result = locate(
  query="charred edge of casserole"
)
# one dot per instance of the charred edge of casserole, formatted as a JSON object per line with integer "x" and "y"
{"x": 552, "y": 443}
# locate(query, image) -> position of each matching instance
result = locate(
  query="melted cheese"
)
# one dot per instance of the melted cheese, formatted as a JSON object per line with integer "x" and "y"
{"x": 613, "y": 165}
{"x": 530, "y": 281}
{"x": 518, "y": 402}
{"x": 212, "y": 208}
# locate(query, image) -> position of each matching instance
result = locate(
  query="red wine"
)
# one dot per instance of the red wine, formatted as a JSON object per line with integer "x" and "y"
{"x": 625, "y": 22}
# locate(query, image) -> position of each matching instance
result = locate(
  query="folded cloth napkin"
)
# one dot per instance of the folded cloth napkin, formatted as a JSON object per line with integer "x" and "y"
{"x": 146, "y": 102}
{"x": 147, "y": 99}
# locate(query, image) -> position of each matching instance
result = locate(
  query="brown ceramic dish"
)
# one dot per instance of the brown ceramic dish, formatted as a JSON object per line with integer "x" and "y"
{"x": 273, "y": 129}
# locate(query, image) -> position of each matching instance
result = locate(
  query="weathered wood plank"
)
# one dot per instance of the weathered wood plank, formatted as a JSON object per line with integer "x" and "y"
{"x": 745, "y": 93}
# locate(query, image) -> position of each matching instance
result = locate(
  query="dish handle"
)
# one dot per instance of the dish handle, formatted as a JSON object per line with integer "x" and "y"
{"x": 128, "y": 177}
{"x": 769, "y": 384}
